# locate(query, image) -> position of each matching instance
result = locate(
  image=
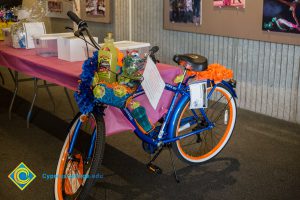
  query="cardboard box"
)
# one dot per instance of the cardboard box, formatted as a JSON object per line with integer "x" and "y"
{"x": 31, "y": 29}
{"x": 72, "y": 49}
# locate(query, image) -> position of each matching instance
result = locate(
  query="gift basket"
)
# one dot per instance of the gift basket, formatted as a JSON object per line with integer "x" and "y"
{"x": 109, "y": 77}
{"x": 35, "y": 14}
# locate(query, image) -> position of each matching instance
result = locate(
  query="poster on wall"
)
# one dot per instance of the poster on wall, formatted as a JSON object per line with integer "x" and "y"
{"x": 185, "y": 11}
{"x": 230, "y": 3}
{"x": 96, "y": 10}
{"x": 58, "y": 8}
{"x": 281, "y": 16}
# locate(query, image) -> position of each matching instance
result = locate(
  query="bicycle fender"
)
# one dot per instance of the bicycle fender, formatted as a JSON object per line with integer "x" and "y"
{"x": 231, "y": 90}
{"x": 172, "y": 124}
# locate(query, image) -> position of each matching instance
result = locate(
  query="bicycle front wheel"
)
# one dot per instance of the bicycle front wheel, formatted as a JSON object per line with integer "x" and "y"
{"x": 77, "y": 172}
{"x": 201, "y": 147}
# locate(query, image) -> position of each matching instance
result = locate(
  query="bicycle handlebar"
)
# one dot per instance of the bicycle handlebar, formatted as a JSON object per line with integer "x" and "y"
{"x": 76, "y": 19}
{"x": 96, "y": 45}
{"x": 152, "y": 52}
{"x": 154, "y": 49}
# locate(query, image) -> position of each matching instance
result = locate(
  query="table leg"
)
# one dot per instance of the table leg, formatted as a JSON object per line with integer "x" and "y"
{"x": 70, "y": 102}
{"x": 12, "y": 75}
{"x": 36, "y": 87}
{"x": 15, "y": 93}
{"x": 50, "y": 95}
{"x": 1, "y": 76}
{"x": 33, "y": 101}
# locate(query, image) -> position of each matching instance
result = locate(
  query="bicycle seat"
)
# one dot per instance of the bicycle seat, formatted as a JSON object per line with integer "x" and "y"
{"x": 197, "y": 62}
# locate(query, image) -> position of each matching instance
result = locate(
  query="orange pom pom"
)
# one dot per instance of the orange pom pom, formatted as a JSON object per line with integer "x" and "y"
{"x": 214, "y": 72}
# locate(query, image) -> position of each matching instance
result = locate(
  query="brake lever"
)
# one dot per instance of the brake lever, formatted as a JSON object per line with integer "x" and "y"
{"x": 79, "y": 33}
{"x": 69, "y": 28}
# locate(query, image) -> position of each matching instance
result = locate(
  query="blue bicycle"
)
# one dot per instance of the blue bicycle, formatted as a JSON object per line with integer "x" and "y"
{"x": 195, "y": 135}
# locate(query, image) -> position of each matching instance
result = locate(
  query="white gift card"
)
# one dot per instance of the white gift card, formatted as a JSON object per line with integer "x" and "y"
{"x": 198, "y": 95}
{"x": 153, "y": 83}
{"x": 33, "y": 28}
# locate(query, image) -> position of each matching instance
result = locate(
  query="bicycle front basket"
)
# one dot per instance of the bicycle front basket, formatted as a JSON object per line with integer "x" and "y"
{"x": 113, "y": 94}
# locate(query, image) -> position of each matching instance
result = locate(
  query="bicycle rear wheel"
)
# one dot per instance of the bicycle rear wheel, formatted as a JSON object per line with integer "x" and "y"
{"x": 198, "y": 148}
{"x": 77, "y": 172}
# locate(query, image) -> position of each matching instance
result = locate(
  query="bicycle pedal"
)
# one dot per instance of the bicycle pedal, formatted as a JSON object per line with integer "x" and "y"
{"x": 154, "y": 169}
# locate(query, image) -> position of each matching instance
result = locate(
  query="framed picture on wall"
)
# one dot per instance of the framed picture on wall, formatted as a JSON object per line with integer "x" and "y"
{"x": 281, "y": 16}
{"x": 182, "y": 15}
{"x": 96, "y": 10}
{"x": 229, "y": 3}
{"x": 58, "y": 8}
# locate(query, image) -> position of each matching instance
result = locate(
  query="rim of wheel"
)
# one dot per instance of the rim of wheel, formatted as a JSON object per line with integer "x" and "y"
{"x": 71, "y": 173}
{"x": 200, "y": 141}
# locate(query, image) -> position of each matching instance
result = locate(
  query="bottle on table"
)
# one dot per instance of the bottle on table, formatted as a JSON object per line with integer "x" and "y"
{"x": 108, "y": 60}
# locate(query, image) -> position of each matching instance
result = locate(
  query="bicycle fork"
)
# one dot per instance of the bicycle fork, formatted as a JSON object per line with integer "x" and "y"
{"x": 74, "y": 139}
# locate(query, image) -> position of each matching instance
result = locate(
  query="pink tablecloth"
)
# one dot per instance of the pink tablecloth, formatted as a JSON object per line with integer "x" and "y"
{"x": 66, "y": 74}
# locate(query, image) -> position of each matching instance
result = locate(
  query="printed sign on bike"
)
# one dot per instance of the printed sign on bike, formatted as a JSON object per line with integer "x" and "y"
{"x": 153, "y": 83}
{"x": 198, "y": 95}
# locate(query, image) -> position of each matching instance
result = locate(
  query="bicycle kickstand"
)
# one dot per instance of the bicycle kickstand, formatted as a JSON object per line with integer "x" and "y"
{"x": 173, "y": 164}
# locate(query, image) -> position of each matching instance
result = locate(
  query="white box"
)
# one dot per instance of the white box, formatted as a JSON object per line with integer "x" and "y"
{"x": 31, "y": 29}
{"x": 46, "y": 44}
{"x": 125, "y": 46}
{"x": 72, "y": 49}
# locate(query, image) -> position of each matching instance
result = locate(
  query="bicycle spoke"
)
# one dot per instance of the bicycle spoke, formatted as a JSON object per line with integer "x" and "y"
{"x": 222, "y": 111}
{"x": 216, "y": 102}
{"x": 211, "y": 137}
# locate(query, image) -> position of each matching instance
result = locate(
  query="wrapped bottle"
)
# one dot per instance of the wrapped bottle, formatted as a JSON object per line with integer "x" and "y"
{"x": 141, "y": 117}
{"x": 108, "y": 60}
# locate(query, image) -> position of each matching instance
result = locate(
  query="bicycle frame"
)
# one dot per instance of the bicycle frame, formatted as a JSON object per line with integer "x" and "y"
{"x": 169, "y": 124}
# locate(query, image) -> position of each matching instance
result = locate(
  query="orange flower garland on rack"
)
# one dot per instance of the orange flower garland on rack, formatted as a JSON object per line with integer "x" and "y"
{"x": 214, "y": 72}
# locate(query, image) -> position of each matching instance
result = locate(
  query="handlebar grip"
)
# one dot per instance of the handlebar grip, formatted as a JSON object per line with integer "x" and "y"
{"x": 74, "y": 17}
{"x": 152, "y": 52}
{"x": 154, "y": 49}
